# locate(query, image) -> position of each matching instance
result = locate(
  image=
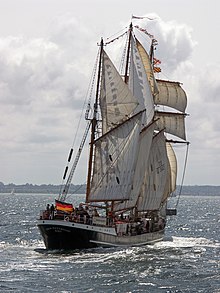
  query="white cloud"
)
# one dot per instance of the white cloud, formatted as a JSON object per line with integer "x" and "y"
{"x": 175, "y": 43}
{"x": 43, "y": 83}
{"x": 175, "y": 50}
{"x": 42, "y": 91}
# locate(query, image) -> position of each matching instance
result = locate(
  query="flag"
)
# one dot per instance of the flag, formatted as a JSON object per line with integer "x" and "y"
{"x": 144, "y": 31}
{"x": 141, "y": 17}
{"x": 157, "y": 69}
{"x": 63, "y": 206}
{"x": 156, "y": 61}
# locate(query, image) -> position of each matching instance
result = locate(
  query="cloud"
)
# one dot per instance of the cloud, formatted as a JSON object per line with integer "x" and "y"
{"x": 202, "y": 87}
{"x": 206, "y": 106}
{"x": 175, "y": 43}
{"x": 175, "y": 49}
{"x": 43, "y": 85}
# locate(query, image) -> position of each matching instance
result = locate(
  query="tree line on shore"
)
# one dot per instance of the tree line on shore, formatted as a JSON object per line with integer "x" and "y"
{"x": 81, "y": 189}
{"x": 43, "y": 188}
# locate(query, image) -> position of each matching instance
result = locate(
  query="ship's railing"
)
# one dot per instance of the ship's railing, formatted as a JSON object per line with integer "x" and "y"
{"x": 122, "y": 227}
{"x": 82, "y": 219}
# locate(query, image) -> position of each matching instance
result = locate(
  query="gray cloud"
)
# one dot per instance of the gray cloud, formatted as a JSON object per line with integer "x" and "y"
{"x": 175, "y": 43}
{"x": 42, "y": 90}
{"x": 43, "y": 83}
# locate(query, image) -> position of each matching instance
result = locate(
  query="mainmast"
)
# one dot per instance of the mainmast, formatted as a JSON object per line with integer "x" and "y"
{"x": 152, "y": 51}
{"x": 94, "y": 124}
{"x": 128, "y": 53}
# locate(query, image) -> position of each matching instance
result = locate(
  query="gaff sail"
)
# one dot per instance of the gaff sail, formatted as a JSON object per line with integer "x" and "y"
{"x": 145, "y": 141}
{"x": 117, "y": 103}
{"x": 139, "y": 84}
{"x": 114, "y": 161}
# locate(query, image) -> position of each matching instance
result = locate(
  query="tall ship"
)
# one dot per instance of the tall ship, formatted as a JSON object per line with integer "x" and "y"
{"x": 133, "y": 125}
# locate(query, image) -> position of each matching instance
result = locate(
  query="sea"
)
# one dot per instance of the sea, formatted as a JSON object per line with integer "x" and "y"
{"x": 187, "y": 260}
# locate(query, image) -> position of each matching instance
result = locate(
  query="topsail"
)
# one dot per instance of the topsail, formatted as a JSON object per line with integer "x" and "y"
{"x": 171, "y": 94}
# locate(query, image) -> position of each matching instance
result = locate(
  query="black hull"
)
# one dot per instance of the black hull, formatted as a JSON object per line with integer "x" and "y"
{"x": 63, "y": 235}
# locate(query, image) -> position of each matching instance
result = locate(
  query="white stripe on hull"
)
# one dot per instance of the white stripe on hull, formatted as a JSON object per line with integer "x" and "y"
{"x": 105, "y": 230}
{"x": 95, "y": 235}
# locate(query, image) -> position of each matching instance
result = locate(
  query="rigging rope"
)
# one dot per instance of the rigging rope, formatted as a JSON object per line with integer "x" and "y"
{"x": 116, "y": 38}
{"x": 184, "y": 171}
{"x": 75, "y": 191}
{"x": 87, "y": 97}
{"x": 122, "y": 66}
{"x": 63, "y": 195}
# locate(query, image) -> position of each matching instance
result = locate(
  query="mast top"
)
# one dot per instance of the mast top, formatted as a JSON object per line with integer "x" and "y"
{"x": 101, "y": 42}
{"x": 128, "y": 53}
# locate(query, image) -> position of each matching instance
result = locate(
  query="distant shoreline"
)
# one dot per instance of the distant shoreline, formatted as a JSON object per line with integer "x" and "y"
{"x": 43, "y": 188}
{"x": 81, "y": 189}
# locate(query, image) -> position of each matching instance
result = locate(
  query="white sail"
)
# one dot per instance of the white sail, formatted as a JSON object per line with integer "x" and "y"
{"x": 145, "y": 141}
{"x": 132, "y": 167}
{"x": 139, "y": 84}
{"x": 148, "y": 67}
{"x": 157, "y": 183}
{"x": 116, "y": 100}
{"x": 171, "y": 94}
{"x": 114, "y": 161}
{"x": 171, "y": 174}
{"x": 173, "y": 165}
{"x": 172, "y": 123}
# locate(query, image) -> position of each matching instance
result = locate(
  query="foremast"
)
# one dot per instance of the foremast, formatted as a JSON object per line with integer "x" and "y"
{"x": 128, "y": 52}
{"x": 94, "y": 123}
{"x": 113, "y": 156}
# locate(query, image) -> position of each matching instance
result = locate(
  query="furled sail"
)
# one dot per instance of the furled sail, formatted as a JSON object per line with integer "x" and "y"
{"x": 157, "y": 182}
{"x": 171, "y": 94}
{"x": 145, "y": 141}
{"x": 116, "y": 100}
{"x": 139, "y": 84}
{"x": 148, "y": 67}
{"x": 172, "y": 123}
{"x": 115, "y": 160}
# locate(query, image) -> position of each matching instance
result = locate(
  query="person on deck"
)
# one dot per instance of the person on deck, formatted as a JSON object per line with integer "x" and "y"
{"x": 95, "y": 213}
{"x": 52, "y": 211}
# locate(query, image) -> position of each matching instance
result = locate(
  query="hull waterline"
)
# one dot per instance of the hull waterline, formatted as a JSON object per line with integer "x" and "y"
{"x": 63, "y": 235}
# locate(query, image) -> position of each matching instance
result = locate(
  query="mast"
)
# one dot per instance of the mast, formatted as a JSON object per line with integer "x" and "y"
{"x": 128, "y": 52}
{"x": 152, "y": 51}
{"x": 94, "y": 123}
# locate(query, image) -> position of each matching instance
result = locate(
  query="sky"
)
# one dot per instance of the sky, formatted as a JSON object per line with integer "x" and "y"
{"x": 47, "y": 53}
